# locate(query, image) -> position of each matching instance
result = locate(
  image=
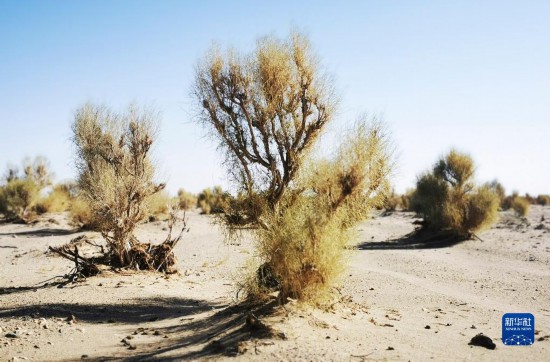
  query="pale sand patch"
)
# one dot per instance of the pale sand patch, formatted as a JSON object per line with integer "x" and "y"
{"x": 390, "y": 295}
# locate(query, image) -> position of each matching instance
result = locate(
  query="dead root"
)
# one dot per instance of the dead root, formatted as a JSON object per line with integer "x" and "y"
{"x": 140, "y": 256}
{"x": 153, "y": 257}
{"x": 84, "y": 267}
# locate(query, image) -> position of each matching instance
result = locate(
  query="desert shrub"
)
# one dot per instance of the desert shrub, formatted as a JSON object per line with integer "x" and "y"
{"x": 406, "y": 199}
{"x": 38, "y": 170}
{"x": 159, "y": 206}
{"x": 116, "y": 180}
{"x": 530, "y": 199}
{"x": 393, "y": 202}
{"x": 20, "y": 192}
{"x": 186, "y": 200}
{"x": 448, "y": 199}
{"x": 521, "y": 206}
{"x": 303, "y": 243}
{"x": 11, "y": 173}
{"x": 58, "y": 200}
{"x": 508, "y": 201}
{"x": 81, "y": 214}
{"x": 499, "y": 190}
{"x": 213, "y": 200}
{"x": 543, "y": 200}
{"x": 17, "y": 198}
{"x": 267, "y": 110}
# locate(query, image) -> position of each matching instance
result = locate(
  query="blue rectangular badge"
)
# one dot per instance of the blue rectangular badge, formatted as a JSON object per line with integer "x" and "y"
{"x": 518, "y": 329}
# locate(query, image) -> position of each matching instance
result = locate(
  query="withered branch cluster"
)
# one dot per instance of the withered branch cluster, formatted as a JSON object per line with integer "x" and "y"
{"x": 266, "y": 109}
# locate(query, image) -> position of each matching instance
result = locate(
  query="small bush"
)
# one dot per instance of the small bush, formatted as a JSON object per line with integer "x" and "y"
{"x": 58, "y": 200}
{"x": 406, "y": 199}
{"x": 159, "y": 206}
{"x": 186, "y": 200}
{"x": 213, "y": 201}
{"x": 521, "y": 206}
{"x": 17, "y": 198}
{"x": 496, "y": 187}
{"x": 395, "y": 202}
{"x": 20, "y": 193}
{"x": 392, "y": 202}
{"x": 448, "y": 199}
{"x": 543, "y": 200}
{"x": 82, "y": 215}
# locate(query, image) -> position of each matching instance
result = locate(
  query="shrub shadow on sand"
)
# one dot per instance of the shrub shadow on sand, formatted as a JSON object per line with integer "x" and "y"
{"x": 131, "y": 312}
{"x": 43, "y": 232}
{"x": 220, "y": 334}
{"x": 420, "y": 239}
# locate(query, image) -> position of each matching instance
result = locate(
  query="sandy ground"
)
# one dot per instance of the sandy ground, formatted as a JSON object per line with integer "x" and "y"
{"x": 398, "y": 301}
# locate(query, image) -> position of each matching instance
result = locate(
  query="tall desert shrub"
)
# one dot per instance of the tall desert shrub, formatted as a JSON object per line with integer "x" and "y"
{"x": 116, "y": 178}
{"x": 448, "y": 199}
{"x": 267, "y": 109}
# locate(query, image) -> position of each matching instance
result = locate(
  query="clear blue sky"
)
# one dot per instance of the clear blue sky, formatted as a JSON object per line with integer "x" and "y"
{"x": 470, "y": 74}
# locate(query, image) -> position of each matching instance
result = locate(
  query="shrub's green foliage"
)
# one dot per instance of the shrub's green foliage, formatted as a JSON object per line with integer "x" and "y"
{"x": 213, "y": 201}
{"x": 448, "y": 199}
{"x": 521, "y": 206}
{"x": 186, "y": 200}
{"x": 116, "y": 174}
